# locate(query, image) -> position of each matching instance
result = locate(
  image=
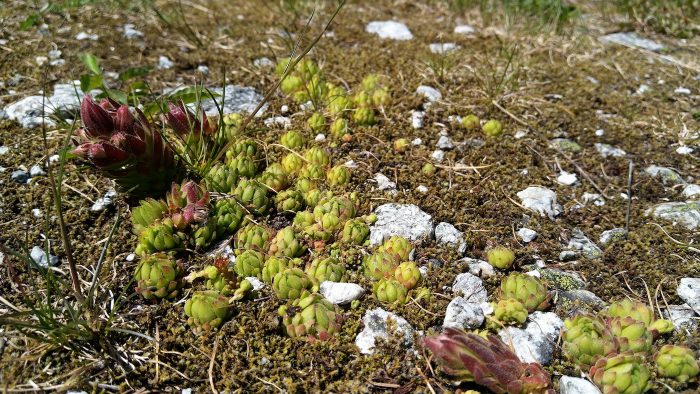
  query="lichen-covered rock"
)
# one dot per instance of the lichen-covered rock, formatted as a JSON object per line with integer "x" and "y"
{"x": 565, "y": 145}
{"x": 378, "y": 324}
{"x": 561, "y": 280}
{"x": 585, "y": 246}
{"x": 576, "y": 301}
{"x": 686, "y": 214}
{"x": 405, "y": 220}
{"x": 608, "y": 237}
{"x": 668, "y": 176}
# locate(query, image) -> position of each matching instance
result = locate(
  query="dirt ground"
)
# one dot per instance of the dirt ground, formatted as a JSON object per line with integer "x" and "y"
{"x": 595, "y": 83}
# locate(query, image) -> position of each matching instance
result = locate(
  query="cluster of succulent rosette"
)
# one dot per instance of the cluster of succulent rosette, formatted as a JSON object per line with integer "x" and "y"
{"x": 307, "y": 83}
{"x": 616, "y": 346}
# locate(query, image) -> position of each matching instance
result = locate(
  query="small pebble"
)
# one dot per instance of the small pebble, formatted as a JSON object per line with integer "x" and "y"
{"x": 36, "y": 171}
{"x": 20, "y": 176}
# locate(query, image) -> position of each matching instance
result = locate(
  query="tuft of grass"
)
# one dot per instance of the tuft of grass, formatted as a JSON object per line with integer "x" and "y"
{"x": 539, "y": 14}
{"x": 679, "y": 18}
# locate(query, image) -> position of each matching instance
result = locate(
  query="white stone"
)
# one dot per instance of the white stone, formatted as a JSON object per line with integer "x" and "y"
{"x": 540, "y": 200}
{"x": 39, "y": 257}
{"x": 438, "y": 155}
{"x": 350, "y": 164}
{"x": 686, "y": 214}
{"x": 422, "y": 188}
{"x": 463, "y": 314}
{"x": 131, "y": 32}
{"x": 600, "y": 133}
{"x": 416, "y": 142}
{"x": 471, "y": 287}
{"x": 596, "y": 198}
{"x": 527, "y": 235}
{"x": 689, "y": 291}
{"x": 85, "y": 36}
{"x": 340, "y": 292}
{"x": 203, "y": 69}
{"x": 4, "y": 150}
{"x": 36, "y": 212}
{"x": 684, "y": 150}
{"x": 164, "y": 63}
{"x": 417, "y": 119}
{"x": 445, "y": 233}
{"x": 377, "y": 323}
{"x": 105, "y": 201}
{"x": 682, "y": 90}
{"x": 278, "y": 121}
{"x": 406, "y": 220}
{"x": 444, "y": 142}
{"x": 262, "y": 62}
{"x": 384, "y": 183}
{"x": 536, "y": 341}
{"x": 320, "y": 137}
{"x": 442, "y": 48}
{"x": 130, "y": 257}
{"x": 36, "y": 171}
{"x": 430, "y": 93}
{"x": 284, "y": 109}
{"x": 632, "y": 40}
{"x": 479, "y": 268}
{"x": 256, "y": 283}
{"x": 572, "y": 385}
{"x": 464, "y": 29}
{"x": 41, "y": 60}
{"x": 389, "y": 30}
{"x": 567, "y": 178}
{"x": 643, "y": 88}
{"x": 520, "y": 134}
{"x": 606, "y": 150}
{"x": 691, "y": 191}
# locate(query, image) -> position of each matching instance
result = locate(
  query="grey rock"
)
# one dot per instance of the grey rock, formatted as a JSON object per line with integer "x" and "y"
{"x": 668, "y": 176}
{"x": 131, "y": 32}
{"x": 479, "y": 268}
{"x": 203, "y": 69}
{"x": 567, "y": 255}
{"x": 540, "y": 200}
{"x": 463, "y": 314}
{"x": 36, "y": 170}
{"x": 689, "y": 291}
{"x": 438, "y": 155}
{"x": 631, "y": 39}
{"x": 64, "y": 102}
{"x": 406, "y": 220}
{"x": 686, "y": 214}
{"x": 471, "y": 287}
{"x": 39, "y": 257}
{"x": 606, "y": 150}
{"x": 105, "y": 201}
{"x": 20, "y": 176}
{"x": 596, "y": 198}
{"x": 684, "y": 150}
{"x": 443, "y": 48}
{"x": 278, "y": 121}
{"x": 341, "y": 292}
{"x": 527, "y": 235}
{"x": 391, "y": 30}
{"x": 613, "y": 235}
{"x": 85, "y": 36}
{"x": 690, "y": 190}
{"x": 447, "y": 234}
{"x": 682, "y": 316}
{"x": 233, "y": 99}
{"x": 377, "y": 325}
{"x": 430, "y": 93}
{"x": 572, "y": 385}
{"x": 537, "y": 340}
{"x": 585, "y": 246}
{"x": 417, "y": 119}
{"x": 164, "y": 63}
{"x": 444, "y": 142}
{"x": 572, "y": 302}
{"x": 262, "y": 62}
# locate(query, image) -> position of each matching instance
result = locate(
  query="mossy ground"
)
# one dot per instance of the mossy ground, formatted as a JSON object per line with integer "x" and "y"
{"x": 250, "y": 353}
